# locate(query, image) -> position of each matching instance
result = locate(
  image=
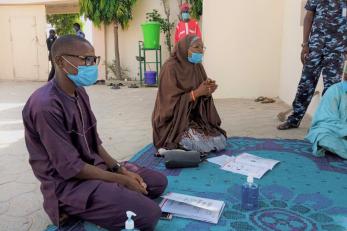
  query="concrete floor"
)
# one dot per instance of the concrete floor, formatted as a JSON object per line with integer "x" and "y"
{"x": 125, "y": 127}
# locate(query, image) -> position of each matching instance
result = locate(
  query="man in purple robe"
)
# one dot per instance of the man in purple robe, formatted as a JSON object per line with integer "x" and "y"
{"x": 78, "y": 177}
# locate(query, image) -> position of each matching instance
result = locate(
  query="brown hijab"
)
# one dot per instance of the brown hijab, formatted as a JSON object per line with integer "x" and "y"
{"x": 174, "y": 111}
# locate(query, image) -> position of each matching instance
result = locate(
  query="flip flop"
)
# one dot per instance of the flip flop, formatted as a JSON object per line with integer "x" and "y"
{"x": 115, "y": 87}
{"x": 259, "y": 99}
{"x": 268, "y": 100}
{"x": 133, "y": 85}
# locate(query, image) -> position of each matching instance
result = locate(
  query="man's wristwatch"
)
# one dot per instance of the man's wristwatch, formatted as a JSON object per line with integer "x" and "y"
{"x": 117, "y": 167}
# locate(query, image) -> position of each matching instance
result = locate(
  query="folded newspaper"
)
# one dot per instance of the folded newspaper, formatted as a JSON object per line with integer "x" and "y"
{"x": 192, "y": 207}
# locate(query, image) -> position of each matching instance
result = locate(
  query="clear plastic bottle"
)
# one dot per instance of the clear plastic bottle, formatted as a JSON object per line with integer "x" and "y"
{"x": 250, "y": 195}
{"x": 129, "y": 224}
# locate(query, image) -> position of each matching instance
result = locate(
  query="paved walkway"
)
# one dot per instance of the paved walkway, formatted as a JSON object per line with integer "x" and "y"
{"x": 124, "y": 125}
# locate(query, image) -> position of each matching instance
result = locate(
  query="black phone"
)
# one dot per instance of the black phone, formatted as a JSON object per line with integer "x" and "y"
{"x": 166, "y": 216}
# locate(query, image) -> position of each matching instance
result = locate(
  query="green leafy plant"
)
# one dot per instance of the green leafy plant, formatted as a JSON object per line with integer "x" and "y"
{"x": 63, "y": 23}
{"x": 196, "y": 8}
{"x": 118, "y": 12}
{"x": 165, "y": 26}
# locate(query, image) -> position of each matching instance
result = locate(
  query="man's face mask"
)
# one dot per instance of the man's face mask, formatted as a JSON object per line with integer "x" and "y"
{"x": 87, "y": 75}
{"x": 185, "y": 16}
{"x": 195, "y": 57}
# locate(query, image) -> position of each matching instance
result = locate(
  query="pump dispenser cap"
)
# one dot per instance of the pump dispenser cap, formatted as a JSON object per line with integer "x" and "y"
{"x": 250, "y": 179}
{"x": 129, "y": 224}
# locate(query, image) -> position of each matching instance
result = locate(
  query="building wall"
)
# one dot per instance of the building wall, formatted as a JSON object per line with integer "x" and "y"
{"x": 291, "y": 66}
{"x": 98, "y": 41}
{"x": 23, "y": 41}
{"x": 128, "y": 39}
{"x": 243, "y": 46}
{"x": 62, "y": 8}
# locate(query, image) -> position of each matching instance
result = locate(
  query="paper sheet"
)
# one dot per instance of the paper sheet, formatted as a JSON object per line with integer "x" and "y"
{"x": 220, "y": 160}
{"x": 249, "y": 165}
{"x": 260, "y": 162}
{"x": 244, "y": 169}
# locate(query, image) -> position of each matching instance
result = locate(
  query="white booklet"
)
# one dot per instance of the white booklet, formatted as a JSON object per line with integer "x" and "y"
{"x": 249, "y": 165}
{"x": 192, "y": 207}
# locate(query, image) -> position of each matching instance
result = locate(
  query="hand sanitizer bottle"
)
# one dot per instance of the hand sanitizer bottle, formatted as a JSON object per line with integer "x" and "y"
{"x": 250, "y": 195}
{"x": 129, "y": 224}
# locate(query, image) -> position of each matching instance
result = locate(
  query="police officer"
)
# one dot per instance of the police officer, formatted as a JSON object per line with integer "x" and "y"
{"x": 187, "y": 25}
{"x": 323, "y": 50}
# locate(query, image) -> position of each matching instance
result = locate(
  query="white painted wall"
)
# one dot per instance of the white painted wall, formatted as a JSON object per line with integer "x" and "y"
{"x": 98, "y": 41}
{"x": 128, "y": 39}
{"x": 23, "y": 47}
{"x": 243, "y": 40}
{"x": 291, "y": 66}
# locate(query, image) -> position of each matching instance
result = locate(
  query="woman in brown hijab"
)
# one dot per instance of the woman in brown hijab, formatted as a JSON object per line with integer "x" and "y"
{"x": 184, "y": 115}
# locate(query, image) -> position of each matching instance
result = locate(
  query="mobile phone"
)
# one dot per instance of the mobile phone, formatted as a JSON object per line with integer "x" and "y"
{"x": 166, "y": 216}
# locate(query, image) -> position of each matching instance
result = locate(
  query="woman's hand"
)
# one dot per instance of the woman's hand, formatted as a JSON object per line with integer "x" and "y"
{"x": 212, "y": 85}
{"x": 211, "y": 81}
{"x": 206, "y": 88}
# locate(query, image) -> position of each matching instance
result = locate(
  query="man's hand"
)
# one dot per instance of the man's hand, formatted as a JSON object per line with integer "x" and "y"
{"x": 135, "y": 176}
{"x": 304, "y": 53}
{"x": 133, "y": 184}
{"x": 308, "y": 21}
{"x": 126, "y": 178}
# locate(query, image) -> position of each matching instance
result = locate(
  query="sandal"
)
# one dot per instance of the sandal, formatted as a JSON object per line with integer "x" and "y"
{"x": 268, "y": 100}
{"x": 115, "y": 87}
{"x": 259, "y": 99}
{"x": 133, "y": 85}
{"x": 286, "y": 126}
